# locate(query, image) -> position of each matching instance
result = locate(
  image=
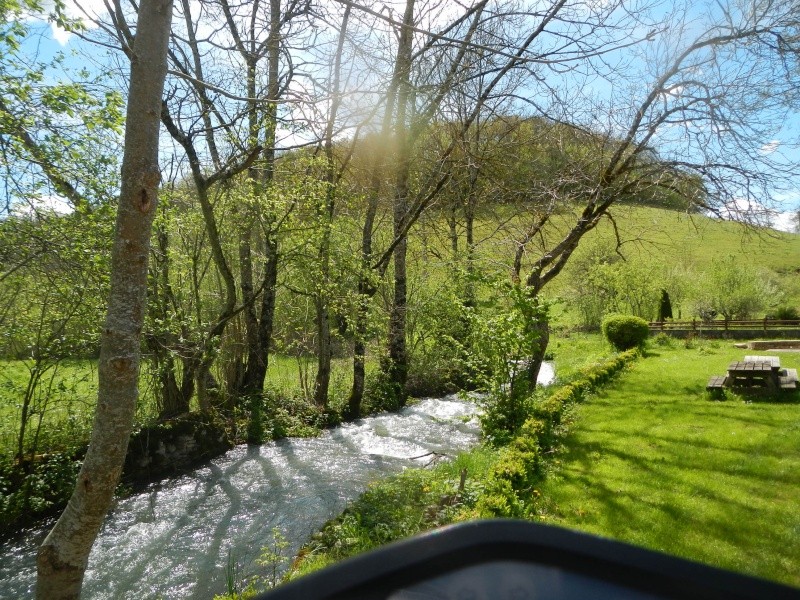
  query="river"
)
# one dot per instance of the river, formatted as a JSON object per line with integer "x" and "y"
{"x": 176, "y": 538}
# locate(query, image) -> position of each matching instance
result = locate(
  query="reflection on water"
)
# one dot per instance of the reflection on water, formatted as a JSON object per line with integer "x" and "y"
{"x": 173, "y": 540}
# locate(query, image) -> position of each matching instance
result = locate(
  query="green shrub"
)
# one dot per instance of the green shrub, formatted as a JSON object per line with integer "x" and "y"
{"x": 784, "y": 313}
{"x": 33, "y": 490}
{"x": 663, "y": 340}
{"x": 293, "y": 416}
{"x": 625, "y": 331}
{"x": 381, "y": 394}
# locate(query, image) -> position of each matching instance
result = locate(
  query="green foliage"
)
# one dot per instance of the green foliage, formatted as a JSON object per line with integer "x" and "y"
{"x": 439, "y": 330}
{"x": 273, "y": 559}
{"x": 256, "y": 433}
{"x": 664, "y": 307}
{"x": 625, "y": 331}
{"x": 662, "y": 340}
{"x": 734, "y": 290}
{"x": 398, "y": 507}
{"x": 509, "y": 487}
{"x": 504, "y": 338}
{"x": 61, "y": 126}
{"x": 601, "y": 282}
{"x": 295, "y": 416}
{"x": 381, "y": 393}
{"x": 33, "y": 489}
{"x": 784, "y": 313}
{"x": 680, "y": 250}
{"x": 53, "y": 281}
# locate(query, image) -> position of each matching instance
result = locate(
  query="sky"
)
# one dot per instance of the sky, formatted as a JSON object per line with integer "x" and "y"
{"x": 54, "y": 39}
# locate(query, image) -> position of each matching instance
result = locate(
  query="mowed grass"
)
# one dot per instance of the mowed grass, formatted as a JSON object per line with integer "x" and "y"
{"x": 573, "y": 352}
{"x": 653, "y": 462}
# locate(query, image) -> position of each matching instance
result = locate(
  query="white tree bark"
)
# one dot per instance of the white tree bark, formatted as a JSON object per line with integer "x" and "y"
{"x": 64, "y": 555}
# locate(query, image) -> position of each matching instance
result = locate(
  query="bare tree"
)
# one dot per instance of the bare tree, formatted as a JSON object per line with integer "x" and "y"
{"x": 64, "y": 554}
{"x": 715, "y": 92}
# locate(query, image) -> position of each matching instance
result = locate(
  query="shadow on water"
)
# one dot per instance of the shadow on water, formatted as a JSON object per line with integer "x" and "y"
{"x": 173, "y": 539}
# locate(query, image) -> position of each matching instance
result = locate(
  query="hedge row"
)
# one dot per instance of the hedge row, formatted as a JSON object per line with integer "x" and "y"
{"x": 519, "y": 466}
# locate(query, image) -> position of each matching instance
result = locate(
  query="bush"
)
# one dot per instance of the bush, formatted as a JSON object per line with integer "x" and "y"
{"x": 785, "y": 313}
{"x": 33, "y": 490}
{"x": 381, "y": 394}
{"x": 663, "y": 340}
{"x": 625, "y": 331}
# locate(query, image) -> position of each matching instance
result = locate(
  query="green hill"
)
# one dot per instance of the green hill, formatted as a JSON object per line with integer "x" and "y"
{"x": 672, "y": 250}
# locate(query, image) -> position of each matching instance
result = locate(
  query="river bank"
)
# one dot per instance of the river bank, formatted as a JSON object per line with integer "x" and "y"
{"x": 177, "y": 538}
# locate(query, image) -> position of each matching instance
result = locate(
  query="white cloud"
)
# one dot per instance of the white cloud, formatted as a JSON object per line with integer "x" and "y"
{"x": 60, "y": 35}
{"x": 85, "y": 10}
{"x": 784, "y": 221}
{"x": 770, "y": 147}
{"x": 42, "y": 205}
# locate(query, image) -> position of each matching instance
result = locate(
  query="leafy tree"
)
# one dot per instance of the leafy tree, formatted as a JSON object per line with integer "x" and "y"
{"x": 499, "y": 354}
{"x": 53, "y": 306}
{"x": 59, "y": 128}
{"x": 731, "y": 289}
{"x": 712, "y": 91}
{"x": 664, "y": 307}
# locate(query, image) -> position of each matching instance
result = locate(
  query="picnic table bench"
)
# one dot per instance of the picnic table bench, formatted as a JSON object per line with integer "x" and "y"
{"x": 755, "y": 373}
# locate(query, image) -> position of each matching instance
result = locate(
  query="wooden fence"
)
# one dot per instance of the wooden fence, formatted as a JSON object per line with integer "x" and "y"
{"x": 724, "y": 325}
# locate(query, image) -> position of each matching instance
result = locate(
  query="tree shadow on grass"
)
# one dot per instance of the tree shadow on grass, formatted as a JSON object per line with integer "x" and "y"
{"x": 707, "y": 507}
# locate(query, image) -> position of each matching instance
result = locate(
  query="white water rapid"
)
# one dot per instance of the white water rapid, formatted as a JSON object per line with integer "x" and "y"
{"x": 174, "y": 539}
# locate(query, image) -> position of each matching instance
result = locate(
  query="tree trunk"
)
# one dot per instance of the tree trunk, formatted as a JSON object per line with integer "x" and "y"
{"x": 398, "y": 357}
{"x": 64, "y": 554}
{"x": 359, "y": 353}
{"x": 452, "y": 222}
{"x": 324, "y": 353}
{"x": 171, "y": 397}
{"x": 469, "y": 224}
{"x": 542, "y": 328}
{"x": 321, "y": 301}
{"x": 258, "y": 354}
{"x": 260, "y": 324}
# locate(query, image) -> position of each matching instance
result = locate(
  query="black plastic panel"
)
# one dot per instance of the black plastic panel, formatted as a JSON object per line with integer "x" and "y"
{"x": 518, "y": 560}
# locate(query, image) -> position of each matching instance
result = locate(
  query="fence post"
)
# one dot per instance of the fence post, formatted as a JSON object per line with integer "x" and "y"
{"x": 765, "y": 323}
{"x": 694, "y": 324}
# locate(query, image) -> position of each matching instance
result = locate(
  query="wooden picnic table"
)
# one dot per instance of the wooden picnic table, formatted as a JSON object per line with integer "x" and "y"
{"x": 773, "y": 360}
{"x": 755, "y": 371}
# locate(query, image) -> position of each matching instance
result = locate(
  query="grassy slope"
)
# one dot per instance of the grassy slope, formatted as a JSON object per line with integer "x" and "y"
{"x": 698, "y": 239}
{"x": 653, "y": 462}
{"x": 676, "y": 238}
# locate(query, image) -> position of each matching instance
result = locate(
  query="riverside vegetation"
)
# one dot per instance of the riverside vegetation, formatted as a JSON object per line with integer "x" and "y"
{"x": 48, "y": 389}
{"x": 404, "y": 188}
{"x": 644, "y": 457}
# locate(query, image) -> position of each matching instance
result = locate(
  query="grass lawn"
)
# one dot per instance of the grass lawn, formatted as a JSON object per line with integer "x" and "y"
{"x": 652, "y": 461}
{"x": 575, "y": 351}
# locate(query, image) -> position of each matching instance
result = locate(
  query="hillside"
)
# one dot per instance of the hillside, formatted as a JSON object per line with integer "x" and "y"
{"x": 665, "y": 246}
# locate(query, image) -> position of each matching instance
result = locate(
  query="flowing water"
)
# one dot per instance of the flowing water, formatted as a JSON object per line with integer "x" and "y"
{"x": 177, "y": 538}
